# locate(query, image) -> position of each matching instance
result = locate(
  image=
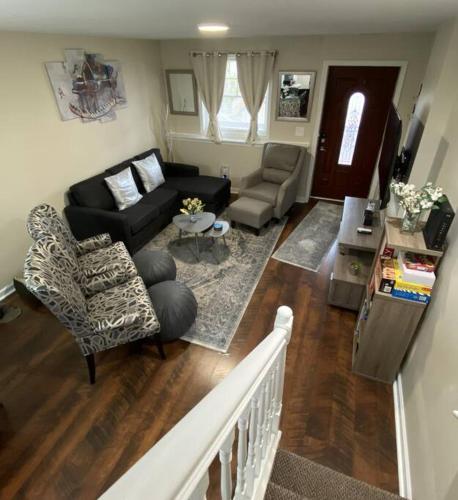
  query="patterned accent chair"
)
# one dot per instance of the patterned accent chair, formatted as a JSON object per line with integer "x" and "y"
{"x": 44, "y": 219}
{"x": 110, "y": 318}
{"x": 277, "y": 180}
{"x": 98, "y": 263}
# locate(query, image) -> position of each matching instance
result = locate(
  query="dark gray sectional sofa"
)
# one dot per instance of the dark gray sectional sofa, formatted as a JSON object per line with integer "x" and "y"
{"x": 92, "y": 209}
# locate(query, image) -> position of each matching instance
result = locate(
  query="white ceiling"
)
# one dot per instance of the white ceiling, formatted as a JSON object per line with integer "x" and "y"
{"x": 179, "y": 18}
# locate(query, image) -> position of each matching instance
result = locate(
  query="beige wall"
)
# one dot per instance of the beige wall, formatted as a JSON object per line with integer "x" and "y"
{"x": 430, "y": 374}
{"x": 42, "y": 155}
{"x": 433, "y": 105}
{"x": 299, "y": 53}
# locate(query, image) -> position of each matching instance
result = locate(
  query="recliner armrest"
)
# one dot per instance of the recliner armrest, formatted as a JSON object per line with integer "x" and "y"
{"x": 86, "y": 222}
{"x": 180, "y": 170}
{"x": 287, "y": 193}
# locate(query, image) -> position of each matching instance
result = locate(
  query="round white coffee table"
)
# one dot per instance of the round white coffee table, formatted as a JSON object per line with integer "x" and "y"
{"x": 203, "y": 222}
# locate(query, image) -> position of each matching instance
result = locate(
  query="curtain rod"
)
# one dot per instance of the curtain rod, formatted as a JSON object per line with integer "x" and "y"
{"x": 194, "y": 53}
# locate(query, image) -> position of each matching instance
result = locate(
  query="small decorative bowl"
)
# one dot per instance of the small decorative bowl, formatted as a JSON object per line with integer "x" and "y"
{"x": 217, "y": 226}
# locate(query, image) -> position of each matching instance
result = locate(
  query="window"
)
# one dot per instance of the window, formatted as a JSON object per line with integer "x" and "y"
{"x": 352, "y": 122}
{"x": 233, "y": 117}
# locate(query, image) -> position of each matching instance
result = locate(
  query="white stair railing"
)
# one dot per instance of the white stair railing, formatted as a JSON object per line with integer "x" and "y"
{"x": 248, "y": 400}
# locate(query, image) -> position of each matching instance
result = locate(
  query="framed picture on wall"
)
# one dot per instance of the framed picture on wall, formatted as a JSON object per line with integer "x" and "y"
{"x": 295, "y": 94}
{"x": 182, "y": 92}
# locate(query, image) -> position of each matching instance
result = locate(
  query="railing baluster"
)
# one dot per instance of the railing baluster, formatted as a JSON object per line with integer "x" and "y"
{"x": 250, "y": 471}
{"x": 279, "y": 389}
{"x": 225, "y": 458}
{"x": 258, "y": 444}
{"x": 270, "y": 413}
{"x": 265, "y": 417}
{"x": 242, "y": 453}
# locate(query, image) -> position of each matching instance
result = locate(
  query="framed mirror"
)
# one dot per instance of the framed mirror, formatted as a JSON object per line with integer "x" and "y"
{"x": 182, "y": 92}
{"x": 295, "y": 94}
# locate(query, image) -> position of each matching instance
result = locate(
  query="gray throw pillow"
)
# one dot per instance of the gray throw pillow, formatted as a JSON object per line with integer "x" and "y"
{"x": 124, "y": 189}
{"x": 150, "y": 172}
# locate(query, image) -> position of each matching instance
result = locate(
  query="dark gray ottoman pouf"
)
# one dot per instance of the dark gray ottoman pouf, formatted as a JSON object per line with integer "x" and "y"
{"x": 154, "y": 266}
{"x": 175, "y": 307}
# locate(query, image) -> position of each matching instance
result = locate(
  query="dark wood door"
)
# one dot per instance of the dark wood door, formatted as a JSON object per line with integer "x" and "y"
{"x": 356, "y": 105}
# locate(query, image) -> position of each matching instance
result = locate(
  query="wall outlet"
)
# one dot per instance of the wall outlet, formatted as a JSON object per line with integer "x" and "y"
{"x": 224, "y": 171}
{"x": 299, "y": 132}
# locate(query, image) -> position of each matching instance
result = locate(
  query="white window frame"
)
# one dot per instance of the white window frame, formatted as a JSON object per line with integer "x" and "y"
{"x": 238, "y": 134}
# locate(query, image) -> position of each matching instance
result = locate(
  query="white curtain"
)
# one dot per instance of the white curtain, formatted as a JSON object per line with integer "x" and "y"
{"x": 254, "y": 71}
{"x": 210, "y": 71}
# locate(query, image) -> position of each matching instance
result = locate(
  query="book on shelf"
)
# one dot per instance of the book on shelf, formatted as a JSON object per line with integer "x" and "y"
{"x": 394, "y": 282}
{"x": 410, "y": 295}
{"x": 414, "y": 269}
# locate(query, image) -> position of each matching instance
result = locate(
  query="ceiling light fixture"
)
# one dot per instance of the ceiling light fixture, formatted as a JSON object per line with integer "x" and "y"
{"x": 213, "y": 28}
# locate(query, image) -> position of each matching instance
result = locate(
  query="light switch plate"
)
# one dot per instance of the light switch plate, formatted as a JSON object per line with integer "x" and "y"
{"x": 299, "y": 132}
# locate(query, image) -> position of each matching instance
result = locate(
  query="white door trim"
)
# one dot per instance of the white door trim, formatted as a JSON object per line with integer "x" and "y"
{"x": 321, "y": 94}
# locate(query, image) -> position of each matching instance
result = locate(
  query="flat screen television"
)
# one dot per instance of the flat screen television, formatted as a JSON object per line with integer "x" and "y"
{"x": 389, "y": 154}
{"x": 409, "y": 150}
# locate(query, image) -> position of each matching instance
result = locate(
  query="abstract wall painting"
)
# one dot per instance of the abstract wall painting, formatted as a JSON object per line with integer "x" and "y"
{"x": 86, "y": 86}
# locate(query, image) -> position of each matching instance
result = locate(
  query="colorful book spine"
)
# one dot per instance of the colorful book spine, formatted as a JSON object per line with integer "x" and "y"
{"x": 409, "y": 295}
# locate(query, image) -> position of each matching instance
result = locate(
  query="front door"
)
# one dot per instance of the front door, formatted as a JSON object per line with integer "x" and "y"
{"x": 355, "y": 108}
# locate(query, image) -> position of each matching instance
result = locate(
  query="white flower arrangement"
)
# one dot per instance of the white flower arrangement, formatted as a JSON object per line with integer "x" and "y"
{"x": 192, "y": 206}
{"x": 415, "y": 200}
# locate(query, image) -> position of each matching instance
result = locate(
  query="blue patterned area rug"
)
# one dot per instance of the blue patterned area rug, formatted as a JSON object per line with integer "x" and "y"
{"x": 308, "y": 244}
{"x": 224, "y": 279}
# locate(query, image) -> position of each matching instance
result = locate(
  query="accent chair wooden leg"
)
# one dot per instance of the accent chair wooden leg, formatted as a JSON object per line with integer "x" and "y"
{"x": 90, "y": 360}
{"x": 160, "y": 346}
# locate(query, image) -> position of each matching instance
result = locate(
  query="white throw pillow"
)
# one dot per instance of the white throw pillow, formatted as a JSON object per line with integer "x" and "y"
{"x": 150, "y": 172}
{"x": 124, "y": 189}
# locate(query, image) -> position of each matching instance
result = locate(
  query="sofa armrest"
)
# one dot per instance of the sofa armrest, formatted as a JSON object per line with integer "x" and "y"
{"x": 180, "y": 170}
{"x": 86, "y": 222}
{"x": 251, "y": 180}
{"x": 93, "y": 243}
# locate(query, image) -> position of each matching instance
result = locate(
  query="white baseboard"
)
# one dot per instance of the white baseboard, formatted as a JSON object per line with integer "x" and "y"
{"x": 405, "y": 483}
{"x": 6, "y": 291}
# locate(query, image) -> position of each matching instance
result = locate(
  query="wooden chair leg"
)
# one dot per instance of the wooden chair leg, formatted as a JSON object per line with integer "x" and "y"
{"x": 90, "y": 360}
{"x": 160, "y": 346}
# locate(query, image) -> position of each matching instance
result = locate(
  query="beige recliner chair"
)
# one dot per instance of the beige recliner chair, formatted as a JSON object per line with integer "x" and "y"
{"x": 277, "y": 180}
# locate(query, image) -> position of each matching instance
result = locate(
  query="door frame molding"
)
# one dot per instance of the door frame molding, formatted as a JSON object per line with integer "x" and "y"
{"x": 402, "y": 65}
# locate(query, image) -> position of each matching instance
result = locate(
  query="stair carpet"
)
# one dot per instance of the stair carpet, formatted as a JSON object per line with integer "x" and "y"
{"x": 297, "y": 478}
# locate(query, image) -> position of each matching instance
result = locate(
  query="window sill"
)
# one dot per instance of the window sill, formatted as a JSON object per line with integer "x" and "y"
{"x": 182, "y": 136}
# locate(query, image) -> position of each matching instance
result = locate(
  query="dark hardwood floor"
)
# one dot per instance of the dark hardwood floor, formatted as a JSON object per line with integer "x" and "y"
{"x": 62, "y": 438}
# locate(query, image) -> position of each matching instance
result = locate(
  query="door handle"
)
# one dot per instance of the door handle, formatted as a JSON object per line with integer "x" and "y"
{"x": 322, "y": 142}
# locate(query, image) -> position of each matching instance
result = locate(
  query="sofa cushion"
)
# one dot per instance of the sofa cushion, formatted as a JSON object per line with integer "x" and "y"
{"x": 204, "y": 187}
{"x": 93, "y": 193}
{"x": 264, "y": 191}
{"x": 139, "y": 215}
{"x": 122, "y": 166}
{"x": 161, "y": 198}
{"x": 123, "y": 189}
{"x": 150, "y": 172}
